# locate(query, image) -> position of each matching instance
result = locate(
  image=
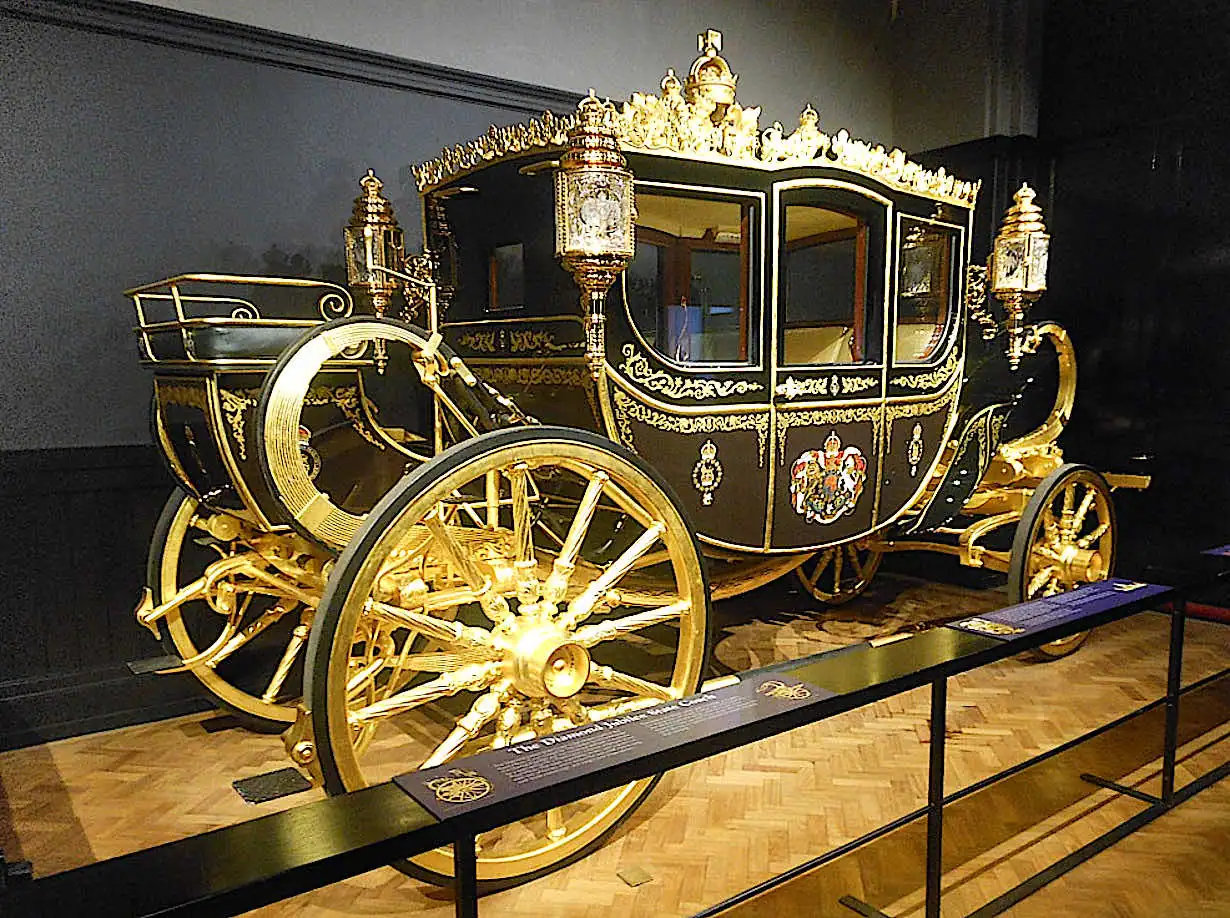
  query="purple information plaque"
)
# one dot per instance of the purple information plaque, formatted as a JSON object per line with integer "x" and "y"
{"x": 1034, "y": 616}
{"x": 502, "y": 774}
{"x": 1222, "y": 551}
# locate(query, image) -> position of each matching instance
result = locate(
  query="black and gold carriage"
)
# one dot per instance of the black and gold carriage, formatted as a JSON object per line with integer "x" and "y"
{"x": 448, "y": 509}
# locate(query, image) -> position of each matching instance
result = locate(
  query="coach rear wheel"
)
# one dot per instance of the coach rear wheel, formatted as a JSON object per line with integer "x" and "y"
{"x": 239, "y": 634}
{"x": 1066, "y": 537}
{"x": 837, "y": 575}
{"x": 523, "y": 582}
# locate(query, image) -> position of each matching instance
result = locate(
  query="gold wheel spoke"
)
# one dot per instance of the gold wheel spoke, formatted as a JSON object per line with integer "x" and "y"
{"x": 1082, "y": 511}
{"x": 485, "y": 707}
{"x": 298, "y": 638}
{"x": 525, "y": 562}
{"x": 1100, "y": 530}
{"x": 581, "y": 607}
{"x": 618, "y": 627}
{"x": 468, "y": 678}
{"x": 608, "y": 677}
{"x": 636, "y": 598}
{"x": 364, "y": 677}
{"x": 564, "y": 565}
{"x": 459, "y": 557}
{"x": 825, "y": 557}
{"x": 263, "y": 621}
{"x": 838, "y": 557}
{"x": 556, "y": 827}
{"x": 440, "y": 629}
{"x": 856, "y": 563}
{"x": 1038, "y": 579}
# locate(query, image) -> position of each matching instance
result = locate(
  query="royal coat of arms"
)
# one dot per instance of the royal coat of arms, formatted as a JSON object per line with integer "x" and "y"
{"x": 824, "y": 486}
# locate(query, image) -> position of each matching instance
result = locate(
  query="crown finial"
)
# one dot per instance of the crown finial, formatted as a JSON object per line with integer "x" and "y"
{"x": 709, "y": 42}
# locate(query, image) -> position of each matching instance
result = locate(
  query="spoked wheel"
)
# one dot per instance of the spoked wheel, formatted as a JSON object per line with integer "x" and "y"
{"x": 526, "y": 581}
{"x": 836, "y": 575}
{"x": 1066, "y": 537}
{"x": 242, "y": 638}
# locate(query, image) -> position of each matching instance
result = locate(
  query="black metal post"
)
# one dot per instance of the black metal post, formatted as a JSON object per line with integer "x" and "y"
{"x": 1174, "y": 679}
{"x": 935, "y": 796}
{"x": 465, "y": 882}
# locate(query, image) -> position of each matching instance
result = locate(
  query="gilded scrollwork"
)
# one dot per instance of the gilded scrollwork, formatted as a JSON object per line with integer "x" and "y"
{"x": 637, "y": 368}
{"x": 826, "y": 385}
{"x": 824, "y": 417}
{"x": 495, "y": 341}
{"x": 235, "y": 404}
{"x": 700, "y": 118}
{"x": 186, "y": 396}
{"x": 899, "y": 411}
{"x": 348, "y": 399}
{"x": 933, "y": 379}
{"x": 482, "y": 341}
{"x": 628, "y": 409}
{"x": 576, "y": 377}
{"x": 976, "y": 301}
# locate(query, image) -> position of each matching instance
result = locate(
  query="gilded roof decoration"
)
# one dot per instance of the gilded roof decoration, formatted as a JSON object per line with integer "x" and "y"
{"x": 699, "y": 118}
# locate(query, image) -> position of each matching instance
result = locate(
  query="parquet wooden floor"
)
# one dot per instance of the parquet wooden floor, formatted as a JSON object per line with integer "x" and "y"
{"x": 724, "y": 824}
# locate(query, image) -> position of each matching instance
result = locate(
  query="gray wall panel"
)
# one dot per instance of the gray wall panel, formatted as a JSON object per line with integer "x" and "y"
{"x": 122, "y": 162}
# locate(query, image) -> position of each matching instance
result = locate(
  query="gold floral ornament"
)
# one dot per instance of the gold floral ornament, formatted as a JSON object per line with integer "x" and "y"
{"x": 699, "y": 117}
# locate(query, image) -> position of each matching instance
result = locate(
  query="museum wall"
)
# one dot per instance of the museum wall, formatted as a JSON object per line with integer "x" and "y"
{"x": 833, "y": 53}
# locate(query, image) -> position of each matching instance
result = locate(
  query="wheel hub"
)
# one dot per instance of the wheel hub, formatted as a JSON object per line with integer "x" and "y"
{"x": 1082, "y": 565}
{"x": 545, "y": 662}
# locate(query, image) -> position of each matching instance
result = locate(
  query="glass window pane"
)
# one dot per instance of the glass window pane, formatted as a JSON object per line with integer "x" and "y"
{"x": 506, "y": 277}
{"x": 687, "y": 289}
{"x": 924, "y": 289}
{"x": 824, "y": 286}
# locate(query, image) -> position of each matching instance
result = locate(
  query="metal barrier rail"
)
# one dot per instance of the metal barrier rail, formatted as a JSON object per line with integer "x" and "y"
{"x": 245, "y": 866}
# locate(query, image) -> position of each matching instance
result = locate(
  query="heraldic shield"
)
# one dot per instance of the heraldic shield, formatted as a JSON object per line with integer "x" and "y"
{"x": 824, "y": 486}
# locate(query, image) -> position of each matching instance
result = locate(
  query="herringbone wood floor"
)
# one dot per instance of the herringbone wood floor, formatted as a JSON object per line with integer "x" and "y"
{"x": 724, "y": 824}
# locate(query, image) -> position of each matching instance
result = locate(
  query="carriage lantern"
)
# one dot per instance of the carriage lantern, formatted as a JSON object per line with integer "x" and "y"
{"x": 595, "y": 236}
{"x": 1018, "y": 265}
{"x": 374, "y": 246}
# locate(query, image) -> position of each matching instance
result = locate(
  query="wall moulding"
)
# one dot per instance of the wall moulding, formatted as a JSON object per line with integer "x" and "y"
{"x": 216, "y": 36}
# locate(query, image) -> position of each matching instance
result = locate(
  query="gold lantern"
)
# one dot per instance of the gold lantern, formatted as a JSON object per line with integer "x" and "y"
{"x": 1018, "y": 266}
{"x": 595, "y": 236}
{"x": 374, "y": 245}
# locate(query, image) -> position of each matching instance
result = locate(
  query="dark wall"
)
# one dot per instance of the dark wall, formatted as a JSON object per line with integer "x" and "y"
{"x": 1134, "y": 114}
{"x": 139, "y": 143}
{"x": 1132, "y": 171}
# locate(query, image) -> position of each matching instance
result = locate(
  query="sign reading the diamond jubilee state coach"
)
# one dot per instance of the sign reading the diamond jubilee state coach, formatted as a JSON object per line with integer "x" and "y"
{"x": 500, "y": 774}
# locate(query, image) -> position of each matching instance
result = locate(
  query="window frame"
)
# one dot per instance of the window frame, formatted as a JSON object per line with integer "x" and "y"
{"x": 753, "y": 208}
{"x": 869, "y": 208}
{"x": 955, "y": 306}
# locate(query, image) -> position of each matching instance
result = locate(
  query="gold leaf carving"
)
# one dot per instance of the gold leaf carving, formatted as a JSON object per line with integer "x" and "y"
{"x": 235, "y": 405}
{"x": 704, "y": 126}
{"x": 187, "y": 396}
{"x": 637, "y": 368}
{"x": 537, "y": 376}
{"x": 934, "y": 378}
{"x": 823, "y": 417}
{"x": 627, "y": 409}
{"x": 826, "y": 385}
